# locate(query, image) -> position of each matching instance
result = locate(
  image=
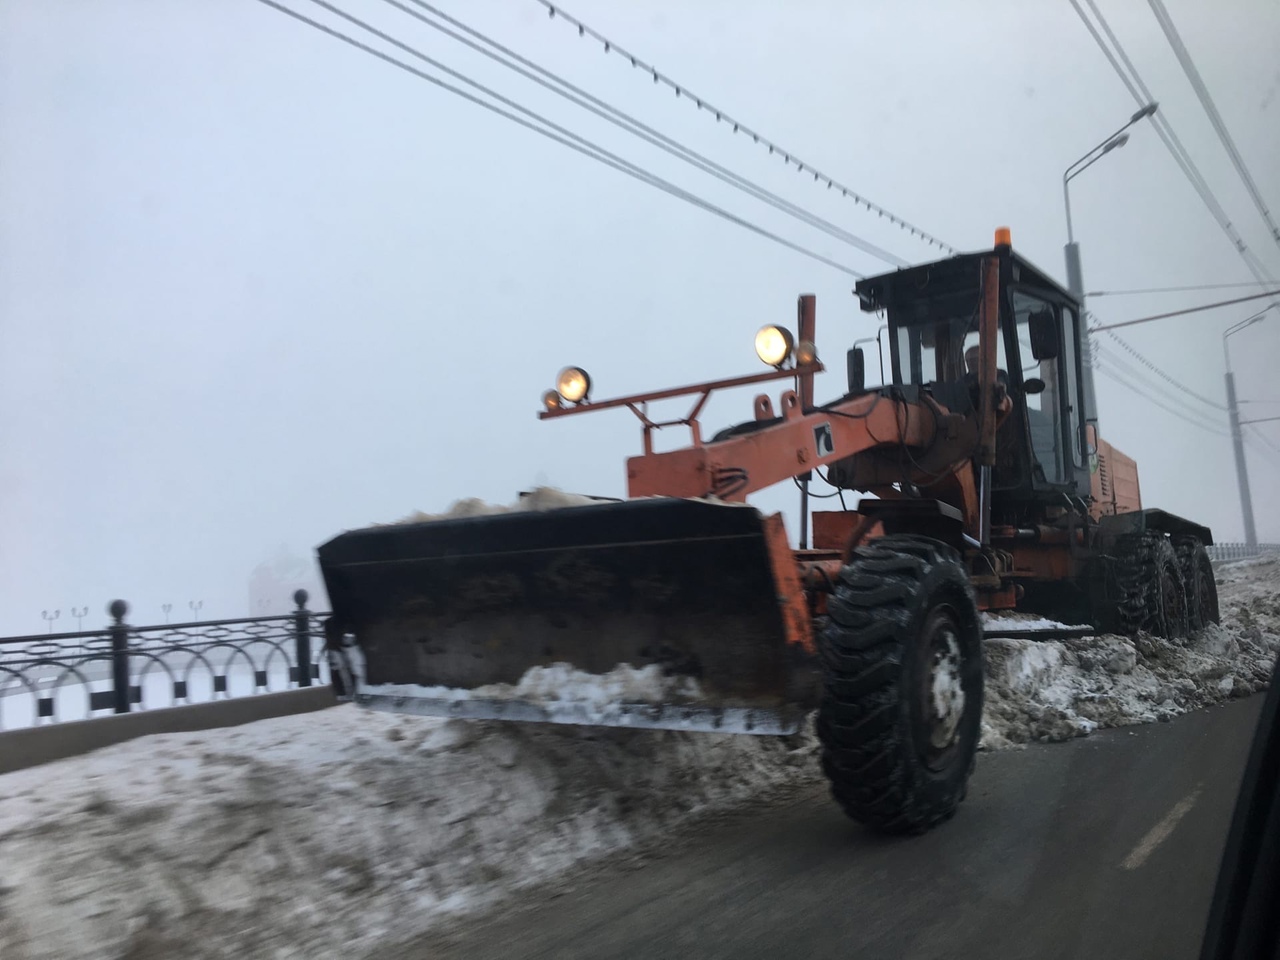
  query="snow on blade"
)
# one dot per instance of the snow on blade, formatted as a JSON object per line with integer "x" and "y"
{"x": 539, "y": 500}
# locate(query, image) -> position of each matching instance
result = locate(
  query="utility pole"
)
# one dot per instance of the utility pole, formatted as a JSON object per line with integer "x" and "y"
{"x": 1237, "y": 436}
{"x": 1242, "y": 470}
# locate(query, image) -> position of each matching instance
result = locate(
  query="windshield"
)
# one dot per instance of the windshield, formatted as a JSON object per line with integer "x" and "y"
{"x": 940, "y": 351}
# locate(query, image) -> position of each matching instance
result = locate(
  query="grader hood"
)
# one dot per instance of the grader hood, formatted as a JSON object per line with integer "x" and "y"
{"x": 665, "y": 613}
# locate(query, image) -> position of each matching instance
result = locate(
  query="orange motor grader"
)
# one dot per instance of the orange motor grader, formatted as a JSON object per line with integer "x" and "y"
{"x": 682, "y": 607}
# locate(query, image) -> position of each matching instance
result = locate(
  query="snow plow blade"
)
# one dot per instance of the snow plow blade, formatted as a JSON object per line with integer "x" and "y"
{"x": 660, "y": 613}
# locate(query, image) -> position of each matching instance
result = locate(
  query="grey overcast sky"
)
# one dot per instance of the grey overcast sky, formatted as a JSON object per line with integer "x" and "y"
{"x": 257, "y": 287}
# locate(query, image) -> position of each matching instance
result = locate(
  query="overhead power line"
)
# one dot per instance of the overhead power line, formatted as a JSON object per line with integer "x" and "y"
{"x": 1178, "y": 313}
{"x": 1158, "y": 393}
{"x": 1194, "y": 286}
{"x": 537, "y": 123}
{"x": 549, "y": 80}
{"x": 788, "y": 156}
{"x": 1133, "y": 351}
{"x": 1206, "y": 101}
{"x": 1106, "y": 369}
{"x": 1263, "y": 445}
{"x": 1263, "y": 438}
{"x": 1164, "y": 129}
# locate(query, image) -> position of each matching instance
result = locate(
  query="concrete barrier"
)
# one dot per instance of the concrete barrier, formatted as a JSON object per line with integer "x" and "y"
{"x": 30, "y": 747}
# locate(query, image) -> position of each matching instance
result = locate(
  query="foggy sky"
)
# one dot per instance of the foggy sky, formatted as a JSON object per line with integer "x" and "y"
{"x": 257, "y": 287}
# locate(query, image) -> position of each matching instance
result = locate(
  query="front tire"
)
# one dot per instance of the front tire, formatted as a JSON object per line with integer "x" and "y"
{"x": 901, "y": 710}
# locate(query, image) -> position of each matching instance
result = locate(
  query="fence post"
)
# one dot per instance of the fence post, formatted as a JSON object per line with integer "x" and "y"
{"x": 302, "y": 637}
{"x": 119, "y": 656}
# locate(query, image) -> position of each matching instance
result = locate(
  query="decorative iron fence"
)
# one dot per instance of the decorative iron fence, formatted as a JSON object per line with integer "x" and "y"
{"x": 1241, "y": 551}
{"x": 74, "y": 676}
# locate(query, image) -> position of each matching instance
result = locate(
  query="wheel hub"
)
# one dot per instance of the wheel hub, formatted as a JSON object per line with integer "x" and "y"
{"x": 946, "y": 691}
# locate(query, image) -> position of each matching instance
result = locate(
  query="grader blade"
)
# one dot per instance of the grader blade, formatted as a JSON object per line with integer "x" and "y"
{"x": 663, "y": 613}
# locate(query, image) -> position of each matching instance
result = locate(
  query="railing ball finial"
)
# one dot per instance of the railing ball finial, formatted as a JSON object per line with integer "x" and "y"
{"x": 300, "y": 598}
{"x": 118, "y": 609}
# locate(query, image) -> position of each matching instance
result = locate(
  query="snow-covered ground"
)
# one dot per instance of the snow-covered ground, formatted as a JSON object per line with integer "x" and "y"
{"x": 1055, "y": 690}
{"x": 321, "y": 834}
{"x": 324, "y": 834}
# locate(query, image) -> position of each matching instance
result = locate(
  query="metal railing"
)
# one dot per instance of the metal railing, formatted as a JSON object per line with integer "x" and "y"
{"x": 1241, "y": 551}
{"x": 72, "y": 676}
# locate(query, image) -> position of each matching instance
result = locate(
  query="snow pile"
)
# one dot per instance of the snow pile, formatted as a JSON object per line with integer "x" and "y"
{"x": 1055, "y": 690}
{"x": 322, "y": 834}
{"x": 538, "y": 500}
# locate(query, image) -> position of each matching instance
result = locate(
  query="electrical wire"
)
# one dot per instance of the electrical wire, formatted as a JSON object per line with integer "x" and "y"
{"x": 1142, "y": 95}
{"x": 1133, "y": 351}
{"x": 826, "y": 478}
{"x": 905, "y": 450}
{"x": 1179, "y": 313}
{"x": 1267, "y": 448}
{"x": 1197, "y": 286}
{"x": 1261, "y": 437}
{"x": 1106, "y": 371}
{"x": 549, "y": 80}
{"x": 810, "y": 493}
{"x": 854, "y": 416}
{"x": 1202, "y": 92}
{"x": 1172, "y": 401}
{"x": 1124, "y": 367}
{"x": 788, "y": 157}
{"x": 548, "y": 129}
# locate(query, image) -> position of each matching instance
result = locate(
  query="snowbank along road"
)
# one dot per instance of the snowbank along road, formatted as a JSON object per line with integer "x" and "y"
{"x": 329, "y": 834}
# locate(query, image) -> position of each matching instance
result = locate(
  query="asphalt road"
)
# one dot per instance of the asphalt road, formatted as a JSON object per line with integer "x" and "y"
{"x": 1097, "y": 848}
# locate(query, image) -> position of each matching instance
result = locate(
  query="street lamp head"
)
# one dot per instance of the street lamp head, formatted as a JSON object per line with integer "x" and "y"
{"x": 1248, "y": 321}
{"x": 1261, "y": 314}
{"x": 1115, "y": 142}
{"x": 1145, "y": 112}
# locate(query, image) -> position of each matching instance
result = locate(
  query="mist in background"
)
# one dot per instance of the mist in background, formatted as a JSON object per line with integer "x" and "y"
{"x": 257, "y": 287}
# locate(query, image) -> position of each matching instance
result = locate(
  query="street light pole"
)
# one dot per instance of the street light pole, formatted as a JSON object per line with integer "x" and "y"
{"x": 1237, "y": 436}
{"x": 1075, "y": 277}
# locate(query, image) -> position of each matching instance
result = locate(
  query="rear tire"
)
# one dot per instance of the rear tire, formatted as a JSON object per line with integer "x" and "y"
{"x": 1198, "y": 581}
{"x": 901, "y": 710}
{"x": 1152, "y": 596}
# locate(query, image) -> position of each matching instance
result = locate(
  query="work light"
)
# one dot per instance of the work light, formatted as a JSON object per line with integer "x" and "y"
{"x": 773, "y": 345}
{"x": 573, "y": 384}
